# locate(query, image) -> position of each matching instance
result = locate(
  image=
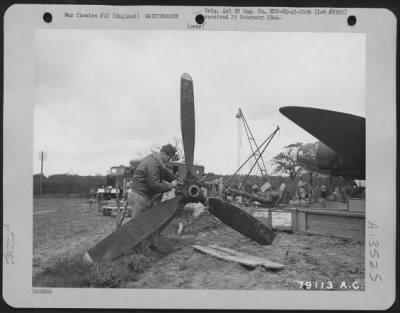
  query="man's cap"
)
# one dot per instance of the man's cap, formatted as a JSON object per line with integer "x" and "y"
{"x": 169, "y": 150}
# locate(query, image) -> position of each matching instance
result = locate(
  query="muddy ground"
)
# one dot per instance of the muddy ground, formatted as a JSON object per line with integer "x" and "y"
{"x": 65, "y": 228}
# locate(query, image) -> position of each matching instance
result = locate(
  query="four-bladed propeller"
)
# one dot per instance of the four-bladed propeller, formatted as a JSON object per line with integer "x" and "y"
{"x": 153, "y": 220}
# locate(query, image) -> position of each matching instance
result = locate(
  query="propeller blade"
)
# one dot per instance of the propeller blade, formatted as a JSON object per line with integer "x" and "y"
{"x": 241, "y": 221}
{"x": 187, "y": 120}
{"x": 139, "y": 228}
{"x": 342, "y": 132}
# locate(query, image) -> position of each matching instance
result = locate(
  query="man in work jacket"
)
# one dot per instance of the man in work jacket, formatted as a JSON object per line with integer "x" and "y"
{"x": 151, "y": 178}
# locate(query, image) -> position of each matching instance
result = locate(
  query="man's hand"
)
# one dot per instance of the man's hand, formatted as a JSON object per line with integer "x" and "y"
{"x": 173, "y": 184}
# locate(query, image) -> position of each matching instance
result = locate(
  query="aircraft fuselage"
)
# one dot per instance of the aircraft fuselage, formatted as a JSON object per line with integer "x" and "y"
{"x": 319, "y": 157}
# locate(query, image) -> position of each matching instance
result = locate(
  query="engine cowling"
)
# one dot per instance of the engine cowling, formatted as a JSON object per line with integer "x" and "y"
{"x": 321, "y": 158}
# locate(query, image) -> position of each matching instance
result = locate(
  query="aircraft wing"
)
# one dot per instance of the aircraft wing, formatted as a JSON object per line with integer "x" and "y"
{"x": 342, "y": 132}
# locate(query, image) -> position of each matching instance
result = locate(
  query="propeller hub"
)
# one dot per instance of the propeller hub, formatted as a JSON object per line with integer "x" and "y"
{"x": 191, "y": 190}
{"x": 194, "y": 191}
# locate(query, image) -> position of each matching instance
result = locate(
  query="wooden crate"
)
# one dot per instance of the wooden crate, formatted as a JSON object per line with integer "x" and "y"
{"x": 356, "y": 205}
{"x": 113, "y": 210}
{"x": 332, "y": 223}
{"x": 278, "y": 219}
{"x": 263, "y": 215}
{"x": 284, "y": 220}
{"x": 322, "y": 221}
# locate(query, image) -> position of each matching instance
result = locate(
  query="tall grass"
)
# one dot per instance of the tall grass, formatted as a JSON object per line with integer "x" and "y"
{"x": 74, "y": 272}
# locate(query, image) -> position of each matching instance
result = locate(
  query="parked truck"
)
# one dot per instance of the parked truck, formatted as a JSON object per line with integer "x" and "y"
{"x": 114, "y": 193}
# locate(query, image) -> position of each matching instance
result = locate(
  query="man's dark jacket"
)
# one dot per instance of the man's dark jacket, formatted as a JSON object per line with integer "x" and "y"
{"x": 149, "y": 175}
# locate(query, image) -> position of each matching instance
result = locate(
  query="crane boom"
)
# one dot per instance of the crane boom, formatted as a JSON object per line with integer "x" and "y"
{"x": 255, "y": 149}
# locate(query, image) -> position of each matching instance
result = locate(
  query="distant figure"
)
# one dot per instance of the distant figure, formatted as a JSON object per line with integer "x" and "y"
{"x": 151, "y": 178}
{"x": 301, "y": 190}
{"x": 323, "y": 192}
{"x": 216, "y": 185}
{"x": 247, "y": 187}
{"x": 283, "y": 194}
{"x": 255, "y": 189}
{"x": 338, "y": 194}
{"x": 213, "y": 189}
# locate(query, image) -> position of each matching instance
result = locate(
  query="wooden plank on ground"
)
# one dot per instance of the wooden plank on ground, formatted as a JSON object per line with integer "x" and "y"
{"x": 238, "y": 257}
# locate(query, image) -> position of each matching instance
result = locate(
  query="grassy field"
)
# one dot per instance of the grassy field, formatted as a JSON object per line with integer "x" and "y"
{"x": 64, "y": 229}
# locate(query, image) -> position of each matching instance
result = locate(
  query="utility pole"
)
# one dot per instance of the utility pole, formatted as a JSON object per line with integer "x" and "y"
{"x": 42, "y": 157}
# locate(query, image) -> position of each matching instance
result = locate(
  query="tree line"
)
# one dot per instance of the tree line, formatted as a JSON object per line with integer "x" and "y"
{"x": 85, "y": 186}
{"x": 286, "y": 170}
{"x": 65, "y": 184}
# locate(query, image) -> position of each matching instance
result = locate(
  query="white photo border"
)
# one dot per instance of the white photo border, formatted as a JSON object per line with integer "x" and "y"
{"x": 20, "y": 23}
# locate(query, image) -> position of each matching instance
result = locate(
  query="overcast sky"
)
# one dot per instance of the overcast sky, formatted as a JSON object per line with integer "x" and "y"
{"x": 103, "y": 98}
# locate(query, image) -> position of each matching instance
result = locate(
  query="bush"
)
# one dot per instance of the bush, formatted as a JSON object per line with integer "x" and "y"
{"x": 101, "y": 277}
{"x": 74, "y": 272}
{"x": 137, "y": 263}
{"x": 65, "y": 272}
